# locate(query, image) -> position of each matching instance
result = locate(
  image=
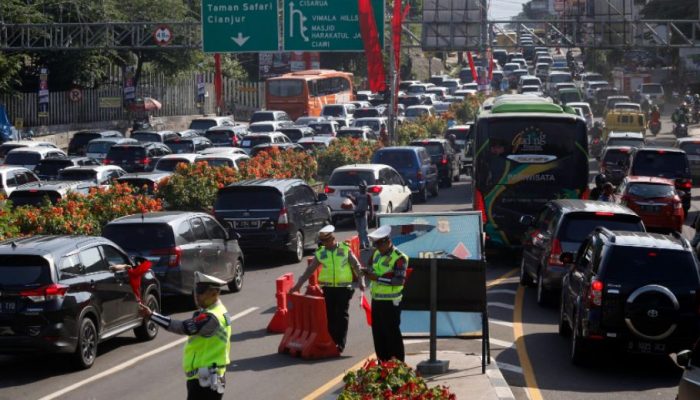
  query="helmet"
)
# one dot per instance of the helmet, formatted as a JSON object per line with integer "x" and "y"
{"x": 362, "y": 185}
{"x": 598, "y": 124}
{"x": 654, "y": 107}
{"x": 600, "y": 180}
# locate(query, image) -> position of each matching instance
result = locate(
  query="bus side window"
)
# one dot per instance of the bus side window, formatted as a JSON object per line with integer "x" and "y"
{"x": 313, "y": 88}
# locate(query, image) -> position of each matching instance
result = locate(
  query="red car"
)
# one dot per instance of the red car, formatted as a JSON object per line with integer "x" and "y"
{"x": 653, "y": 199}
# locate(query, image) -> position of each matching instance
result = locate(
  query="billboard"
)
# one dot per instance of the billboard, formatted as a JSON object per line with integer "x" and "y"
{"x": 450, "y": 25}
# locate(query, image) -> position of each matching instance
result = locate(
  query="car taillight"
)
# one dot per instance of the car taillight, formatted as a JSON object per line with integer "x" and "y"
{"x": 444, "y": 160}
{"x": 143, "y": 161}
{"x": 283, "y": 220}
{"x": 595, "y": 297}
{"x": 45, "y": 293}
{"x": 374, "y": 189}
{"x": 107, "y": 161}
{"x": 234, "y": 140}
{"x": 479, "y": 205}
{"x": 684, "y": 184}
{"x": 328, "y": 190}
{"x": 174, "y": 254}
{"x": 556, "y": 252}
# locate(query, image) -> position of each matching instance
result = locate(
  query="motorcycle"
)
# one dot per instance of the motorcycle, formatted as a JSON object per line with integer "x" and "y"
{"x": 595, "y": 148}
{"x": 655, "y": 127}
{"x": 680, "y": 130}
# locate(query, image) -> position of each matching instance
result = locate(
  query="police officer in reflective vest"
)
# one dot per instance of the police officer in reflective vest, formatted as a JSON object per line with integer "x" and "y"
{"x": 338, "y": 264}
{"x": 387, "y": 275}
{"x": 206, "y": 352}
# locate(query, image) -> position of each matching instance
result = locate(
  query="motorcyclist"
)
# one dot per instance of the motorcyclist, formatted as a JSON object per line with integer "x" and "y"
{"x": 600, "y": 180}
{"x": 680, "y": 115}
{"x": 646, "y": 104}
{"x": 597, "y": 130}
{"x": 654, "y": 114}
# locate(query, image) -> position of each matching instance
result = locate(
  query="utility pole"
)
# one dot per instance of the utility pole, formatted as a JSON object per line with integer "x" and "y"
{"x": 392, "y": 88}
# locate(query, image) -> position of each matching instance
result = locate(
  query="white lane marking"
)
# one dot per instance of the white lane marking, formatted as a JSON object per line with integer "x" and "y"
{"x": 501, "y": 291}
{"x": 414, "y": 341}
{"x": 501, "y": 305}
{"x": 131, "y": 362}
{"x": 509, "y": 367}
{"x": 501, "y": 343}
{"x": 500, "y": 322}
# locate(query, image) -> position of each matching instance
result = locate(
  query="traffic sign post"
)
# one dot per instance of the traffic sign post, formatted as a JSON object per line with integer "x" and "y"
{"x": 326, "y": 25}
{"x": 239, "y": 26}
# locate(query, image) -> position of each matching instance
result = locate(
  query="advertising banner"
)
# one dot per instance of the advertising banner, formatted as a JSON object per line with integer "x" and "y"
{"x": 129, "y": 85}
{"x": 43, "y": 93}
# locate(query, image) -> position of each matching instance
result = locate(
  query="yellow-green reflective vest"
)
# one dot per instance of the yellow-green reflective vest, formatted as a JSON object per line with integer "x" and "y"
{"x": 335, "y": 267}
{"x": 380, "y": 266}
{"x": 203, "y": 351}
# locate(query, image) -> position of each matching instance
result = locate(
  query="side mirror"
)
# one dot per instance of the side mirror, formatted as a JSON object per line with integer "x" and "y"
{"x": 567, "y": 258}
{"x": 682, "y": 358}
{"x": 527, "y": 220}
{"x": 322, "y": 197}
{"x": 232, "y": 234}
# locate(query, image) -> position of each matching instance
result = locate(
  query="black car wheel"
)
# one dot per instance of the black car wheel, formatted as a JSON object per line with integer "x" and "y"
{"x": 448, "y": 181}
{"x": 86, "y": 350}
{"x": 578, "y": 353}
{"x": 297, "y": 250}
{"x": 525, "y": 279}
{"x": 564, "y": 327}
{"x": 149, "y": 329}
{"x": 236, "y": 283}
{"x": 436, "y": 189}
{"x": 409, "y": 204}
{"x": 543, "y": 295}
{"x": 423, "y": 194}
{"x": 455, "y": 177}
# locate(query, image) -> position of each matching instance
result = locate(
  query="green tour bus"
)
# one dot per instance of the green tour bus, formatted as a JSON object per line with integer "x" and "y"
{"x": 528, "y": 151}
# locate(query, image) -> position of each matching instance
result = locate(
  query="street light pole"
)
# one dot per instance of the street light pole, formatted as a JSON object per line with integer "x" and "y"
{"x": 392, "y": 88}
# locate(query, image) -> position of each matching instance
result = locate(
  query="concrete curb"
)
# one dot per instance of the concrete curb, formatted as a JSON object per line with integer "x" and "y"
{"x": 499, "y": 382}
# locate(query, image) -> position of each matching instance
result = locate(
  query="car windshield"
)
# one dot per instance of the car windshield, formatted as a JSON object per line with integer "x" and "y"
{"x": 252, "y": 141}
{"x": 691, "y": 149}
{"x": 652, "y": 88}
{"x": 648, "y": 264}
{"x": 333, "y": 111}
{"x": 351, "y": 178}
{"x": 626, "y": 142}
{"x": 22, "y": 159}
{"x": 170, "y": 164}
{"x": 51, "y": 167}
{"x": 133, "y": 237}
{"x": 146, "y": 137}
{"x": 651, "y": 190}
{"x": 322, "y": 129}
{"x": 35, "y": 198}
{"x": 181, "y": 147}
{"x": 5, "y": 148}
{"x": 399, "y": 159}
{"x": 558, "y": 78}
{"x": 293, "y": 134}
{"x": 245, "y": 198}
{"x": 219, "y": 136}
{"x": 661, "y": 164}
{"x": 82, "y": 138}
{"x": 576, "y": 226}
{"x": 262, "y": 128}
{"x": 23, "y": 271}
{"x": 433, "y": 148}
{"x": 367, "y": 112}
{"x": 99, "y": 147}
{"x": 262, "y": 116}
{"x": 416, "y": 112}
{"x": 614, "y": 158}
{"x": 77, "y": 175}
{"x": 118, "y": 153}
{"x": 202, "y": 124}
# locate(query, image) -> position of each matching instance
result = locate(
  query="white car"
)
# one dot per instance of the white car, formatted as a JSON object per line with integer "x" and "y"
{"x": 12, "y": 177}
{"x": 414, "y": 113}
{"x": 29, "y": 157}
{"x": 389, "y": 191}
{"x": 169, "y": 163}
{"x": 16, "y": 144}
{"x": 319, "y": 142}
{"x": 377, "y": 124}
{"x": 587, "y": 112}
{"x": 267, "y": 126}
{"x": 223, "y": 159}
{"x": 255, "y": 139}
{"x": 97, "y": 149}
{"x": 222, "y": 150}
{"x": 100, "y": 174}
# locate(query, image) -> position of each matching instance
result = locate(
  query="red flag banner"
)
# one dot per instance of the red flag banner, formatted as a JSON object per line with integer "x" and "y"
{"x": 367, "y": 307}
{"x": 373, "y": 50}
{"x": 471, "y": 65}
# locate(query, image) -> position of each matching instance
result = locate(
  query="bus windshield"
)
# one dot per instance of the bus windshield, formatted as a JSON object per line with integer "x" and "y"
{"x": 304, "y": 93}
{"x": 521, "y": 163}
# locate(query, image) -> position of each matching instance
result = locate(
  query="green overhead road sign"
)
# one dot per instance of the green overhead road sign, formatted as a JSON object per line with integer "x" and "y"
{"x": 239, "y": 26}
{"x": 326, "y": 25}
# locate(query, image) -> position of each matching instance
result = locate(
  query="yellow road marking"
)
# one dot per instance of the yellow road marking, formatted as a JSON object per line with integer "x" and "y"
{"x": 330, "y": 384}
{"x": 323, "y": 389}
{"x": 530, "y": 382}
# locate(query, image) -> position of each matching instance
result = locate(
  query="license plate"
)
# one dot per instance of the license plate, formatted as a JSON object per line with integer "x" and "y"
{"x": 246, "y": 224}
{"x": 646, "y": 347}
{"x": 650, "y": 209}
{"x": 8, "y": 307}
{"x": 345, "y": 193}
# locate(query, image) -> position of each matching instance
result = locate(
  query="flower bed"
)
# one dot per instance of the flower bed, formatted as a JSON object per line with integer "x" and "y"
{"x": 390, "y": 380}
{"x": 343, "y": 152}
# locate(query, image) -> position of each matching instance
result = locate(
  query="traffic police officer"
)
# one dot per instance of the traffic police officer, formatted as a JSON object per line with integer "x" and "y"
{"x": 387, "y": 275}
{"x": 338, "y": 264}
{"x": 206, "y": 352}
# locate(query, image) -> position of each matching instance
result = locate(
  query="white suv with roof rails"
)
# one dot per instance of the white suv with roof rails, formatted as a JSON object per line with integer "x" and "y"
{"x": 29, "y": 157}
{"x": 204, "y": 123}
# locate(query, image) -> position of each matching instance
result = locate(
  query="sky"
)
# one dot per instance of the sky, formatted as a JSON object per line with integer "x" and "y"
{"x": 505, "y": 9}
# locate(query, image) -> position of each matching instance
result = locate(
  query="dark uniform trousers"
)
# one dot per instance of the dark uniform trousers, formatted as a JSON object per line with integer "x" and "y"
{"x": 386, "y": 331}
{"x": 337, "y": 312}
{"x": 197, "y": 392}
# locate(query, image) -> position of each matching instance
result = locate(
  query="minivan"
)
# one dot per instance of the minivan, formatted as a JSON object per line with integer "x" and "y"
{"x": 415, "y": 167}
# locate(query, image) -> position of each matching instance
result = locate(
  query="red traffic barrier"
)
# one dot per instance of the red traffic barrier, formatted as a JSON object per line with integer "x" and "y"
{"x": 279, "y": 321}
{"x": 354, "y": 243}
{"x": 307, "y": 335}
{"x": 313, "y": 288}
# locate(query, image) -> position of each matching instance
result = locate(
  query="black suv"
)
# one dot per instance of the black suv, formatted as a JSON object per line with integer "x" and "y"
{"x": 444, "y": 157}
{"x": 59, "y": 295}
{"x": 273, "y": 214}
{"x": 561, "y": 226}
{"x": 78, "y": 143}
{"x": 154, "y": 136}
{"x": 630, "y": 290}
{"x": 34, "y": 194}
{"x": 666, "y": 162}
{"x": 139, "y": 157}
{"x": 226, "y": 136}
{"x": 180, "y": 243}
{"x": 192, "y": 144}
{"x": 48, "y": 168}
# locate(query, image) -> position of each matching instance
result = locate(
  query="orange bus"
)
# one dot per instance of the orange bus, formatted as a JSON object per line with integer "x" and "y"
{"x": 303, "y": 93}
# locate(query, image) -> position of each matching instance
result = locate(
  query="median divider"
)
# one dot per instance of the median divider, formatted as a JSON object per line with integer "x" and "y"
{"x": 307, "y": 334}
{"x": 279, "y": 321}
